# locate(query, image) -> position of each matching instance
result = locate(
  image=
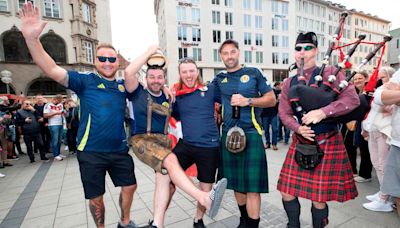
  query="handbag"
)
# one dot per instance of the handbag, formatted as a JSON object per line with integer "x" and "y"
{"x": 308, "y": 156}
{"x": 235, "y": 140}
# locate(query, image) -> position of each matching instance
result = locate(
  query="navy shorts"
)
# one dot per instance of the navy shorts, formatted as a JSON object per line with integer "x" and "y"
{"x": 205, "y": 158}
{"x": 93, "y": 167}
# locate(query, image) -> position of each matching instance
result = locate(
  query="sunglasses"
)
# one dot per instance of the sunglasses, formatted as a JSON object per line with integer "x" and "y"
{"x": 306, "y": 48}
{"x": 104, "y": 58}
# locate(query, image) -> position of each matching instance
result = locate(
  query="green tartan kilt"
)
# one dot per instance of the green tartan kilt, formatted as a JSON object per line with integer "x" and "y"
{"x": 245, "y": 171}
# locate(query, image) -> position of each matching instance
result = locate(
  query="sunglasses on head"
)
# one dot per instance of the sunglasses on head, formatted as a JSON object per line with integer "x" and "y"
{"x": 104, "y": 58}
{"x": 306, "y": 48}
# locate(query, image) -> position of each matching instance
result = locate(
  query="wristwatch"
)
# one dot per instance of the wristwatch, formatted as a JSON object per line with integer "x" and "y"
{"x": 250, "y": 101}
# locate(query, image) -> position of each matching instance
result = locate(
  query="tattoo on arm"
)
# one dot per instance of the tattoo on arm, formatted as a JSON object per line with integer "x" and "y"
{"x": 97, "y": 210}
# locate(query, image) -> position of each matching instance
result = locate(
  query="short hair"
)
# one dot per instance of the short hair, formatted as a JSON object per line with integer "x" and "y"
{"x": 389, "y": 71}
{"x": 155, "y": 68}
{"x": 228, "y": 41}
{"x": 105, "y": 45}
{"x": 364, "y": 73}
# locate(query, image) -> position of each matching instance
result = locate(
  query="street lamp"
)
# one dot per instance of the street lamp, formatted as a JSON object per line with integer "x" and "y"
{"x": 6, "y": 79}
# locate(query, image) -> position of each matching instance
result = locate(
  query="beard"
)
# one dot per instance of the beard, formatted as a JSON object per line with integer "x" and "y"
{"x": 154, "y": 87}
{"x": 229, "y": 64}
{"x": 106, "y": 73}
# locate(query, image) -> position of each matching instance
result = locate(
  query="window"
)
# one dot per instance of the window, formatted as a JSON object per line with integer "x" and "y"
{"x": 259, "y": 57}
{"x": 216, "y": 36}
{"x": 216, "y": 17}
{"x": 51, "y": 8}
{"x": 258, "y": 5}
{"x": 182, "y": 53}
{"x": 397, "y": 43}
{"x": 196, "y": 1}
{"x": 196, "y": 34}
{"x": 229, "y": 35}
{"x": 285, "y": 8}
{"x": 275, "y": 58}
{"x": 88, "y": 50}
{"x": 86, "y": 13}
{"x": 285, "y": 41}
{"x": 247, "y": 20}
{"x": 182, "y": 33}
{"x": 305, "y": 7}
{"x": 323, "y": 27}
{"x": 215, "y": 2}
{"x": 298, "y": 22}
{"x": 216, "y": 56}
{"x": 274, "y": 23}
{"x": 246, "y": 4}
{"x": 259, "y": 39}
{"x": 54, "y": 45}
{"x": 195, "y": 15}
{"x": 274, "y": 6}
{"x": 14, "y": 47}
{"x": 275, "y": 39}
{"x": 247, "y": 38}
{"x": 228, "y": 3}
{"x": 323, "y": 11}
{"x": 180, "y": 13}
{"x": 197, "y": 54}
{"x": 3, "y": 5}
{"x": 228, "y": 19}
{"x": 285, "y": 58}
{"x": 258, "y": 22}
{"x": 247, "y": 57}
{"x": 285, "y": 24}
{"x": 305, "y": 22}
{"x": 21, "y": 3}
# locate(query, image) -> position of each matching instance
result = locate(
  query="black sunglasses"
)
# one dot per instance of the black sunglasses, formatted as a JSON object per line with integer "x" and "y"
{"x": 186, "y": 60}
{"x": 306, "y": 48}
{"x": 104, "y": 58}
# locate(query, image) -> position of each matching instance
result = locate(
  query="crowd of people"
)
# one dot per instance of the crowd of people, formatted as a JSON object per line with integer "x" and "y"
{"x": 320, "y": 164}
{"x": 31, "y": 120}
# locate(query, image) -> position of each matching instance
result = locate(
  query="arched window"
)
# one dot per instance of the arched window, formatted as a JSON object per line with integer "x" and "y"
{"x": 45, "y": 86}
{"x": 54, "y": 46}
{"x": 14, "y": 46}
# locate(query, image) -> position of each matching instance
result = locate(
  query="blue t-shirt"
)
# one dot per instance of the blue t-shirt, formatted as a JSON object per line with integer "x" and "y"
{"x": 139, "y": 104}
{"x": 196, "y": 112}
{"x": 249, "y": 82}
{"x": 102, "y": 108}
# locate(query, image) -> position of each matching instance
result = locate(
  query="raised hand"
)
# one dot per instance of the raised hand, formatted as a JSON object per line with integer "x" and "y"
{"x": 31, "y": 26}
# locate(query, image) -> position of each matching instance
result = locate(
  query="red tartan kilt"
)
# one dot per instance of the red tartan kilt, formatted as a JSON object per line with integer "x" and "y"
{"x": 331, "y": 180}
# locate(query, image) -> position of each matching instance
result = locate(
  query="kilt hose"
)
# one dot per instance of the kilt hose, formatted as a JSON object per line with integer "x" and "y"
{"x": 331, "y": 180}
{"x": 246, "y": 171}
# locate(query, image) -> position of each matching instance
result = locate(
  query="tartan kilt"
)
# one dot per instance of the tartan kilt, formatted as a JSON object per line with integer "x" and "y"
{"x": 246, "y": 171}
{"x": 331, "y": 180}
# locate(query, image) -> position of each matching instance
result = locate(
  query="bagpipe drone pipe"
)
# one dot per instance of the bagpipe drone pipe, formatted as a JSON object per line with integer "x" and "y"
{"x": 305, "y": 98}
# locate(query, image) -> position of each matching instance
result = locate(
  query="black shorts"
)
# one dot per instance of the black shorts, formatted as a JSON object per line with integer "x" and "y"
{"x": 205, "y": 158}
{"x": 93, "y": 167}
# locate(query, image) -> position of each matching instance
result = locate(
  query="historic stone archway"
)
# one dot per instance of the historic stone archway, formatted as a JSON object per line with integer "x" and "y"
{"x": 54, "y": 46}
{"x": 45, "y": 86}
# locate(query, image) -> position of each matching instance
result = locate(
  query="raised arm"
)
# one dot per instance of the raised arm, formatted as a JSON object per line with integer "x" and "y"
{"x": 131, "y": 80}
{"x": 31, "y": 28}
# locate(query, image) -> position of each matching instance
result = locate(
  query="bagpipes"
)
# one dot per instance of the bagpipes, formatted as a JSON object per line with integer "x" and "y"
{"x": 320, "y": 93}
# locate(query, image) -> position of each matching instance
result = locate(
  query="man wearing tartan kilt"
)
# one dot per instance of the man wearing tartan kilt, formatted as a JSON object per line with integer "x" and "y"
{"x": 332, "y": 179}
{"x": 246, "y": 171}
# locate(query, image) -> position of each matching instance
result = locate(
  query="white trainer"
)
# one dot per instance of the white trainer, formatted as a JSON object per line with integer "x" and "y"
{"x": 2, "y": 175}
{"x": 58, "y": 158}
{"x": 373, "y": 197}
{"x": 379, "y": 205}
{"x": 61, "y": 155}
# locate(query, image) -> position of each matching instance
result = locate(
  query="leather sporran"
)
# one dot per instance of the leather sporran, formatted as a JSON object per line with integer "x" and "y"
{"x": 308, "y": 156}
{"x": 235, "y": 140}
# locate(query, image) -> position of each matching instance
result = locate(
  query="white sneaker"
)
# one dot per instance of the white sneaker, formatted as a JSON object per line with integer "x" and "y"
{"x": 61, "y": 155}
{"x": 360, "y": 179}
{"x": 373, "y": 197}
{"x": 2, "y": 175}
{"x": 58, "y": 158}
{"x": 66, "y": 148}
{"x": 378, "y": 205}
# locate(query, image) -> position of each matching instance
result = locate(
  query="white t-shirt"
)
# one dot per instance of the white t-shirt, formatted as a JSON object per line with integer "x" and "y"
{"x": 52, "y": 108}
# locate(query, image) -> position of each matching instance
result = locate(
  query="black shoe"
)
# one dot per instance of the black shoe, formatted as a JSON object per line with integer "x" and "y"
{"x": 44, "y": 159}
{"x": 131, "y": 224}
{"x": 199, "y": 224}
{"x": 8, "y": 164}
{"x": 1, "y": 166}
{"x": 242, "y": 223}
{"x": 32, "y": 161}
{"x": 150, "y": 225}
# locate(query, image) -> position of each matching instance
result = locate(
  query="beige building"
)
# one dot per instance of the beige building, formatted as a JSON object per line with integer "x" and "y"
{"x": 375, "y": 29}
{"x": 194, "y": 28}
{"x": 74, "y": 29}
